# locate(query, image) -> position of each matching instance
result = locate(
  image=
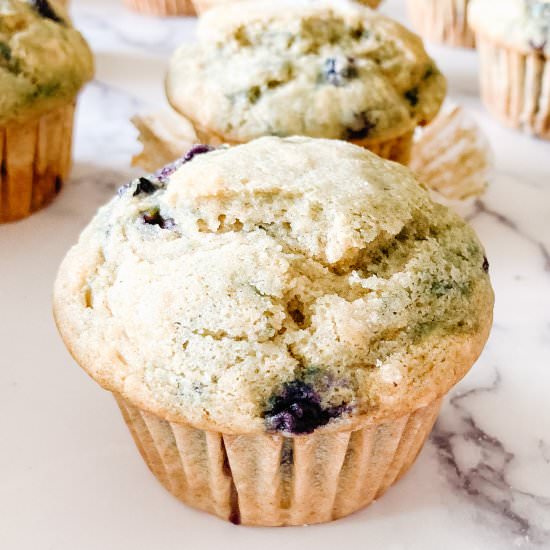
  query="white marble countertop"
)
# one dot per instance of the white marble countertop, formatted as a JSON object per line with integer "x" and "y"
{"x": 70, "y": 476}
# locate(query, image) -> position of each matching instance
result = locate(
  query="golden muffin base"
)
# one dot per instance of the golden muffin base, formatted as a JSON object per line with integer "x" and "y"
{"x": 371, "y": 3}
{"x": 162, "y": 7}
{"x": 515, "y": 86}
{"x": 273, "y": 480}
{"x": 442, "y": 21}
{"x": 35, "y": 160}
{"x": 397, "y": 149}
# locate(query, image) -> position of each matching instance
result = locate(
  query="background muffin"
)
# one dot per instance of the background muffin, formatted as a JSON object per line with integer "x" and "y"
{"x": 514, "y": 47}
{"x": 162, "y": 7}
{"x": 292, "y": 308}
{"x": 203, "y": 5}
{"x": 443, "y": 21}
{"x": 322, "y": 69}
{"x": 44, "y": 62}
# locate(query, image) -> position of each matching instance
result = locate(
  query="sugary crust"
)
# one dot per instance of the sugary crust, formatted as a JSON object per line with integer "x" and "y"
{"x": 286, "y": 260}
{"x": 263, "y": 69}
{"x": 44, "y": 61}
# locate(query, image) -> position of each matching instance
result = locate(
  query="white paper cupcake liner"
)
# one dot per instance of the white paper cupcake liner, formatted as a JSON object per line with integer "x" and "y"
{"x": 515, "y": 87}
{"x": 35, "y": 160}
{"x": 273, "y": 480}
{"x": 442, "y": 21}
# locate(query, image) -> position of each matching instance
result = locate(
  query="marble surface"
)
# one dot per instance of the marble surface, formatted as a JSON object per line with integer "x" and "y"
{"x": 70, "y": 477}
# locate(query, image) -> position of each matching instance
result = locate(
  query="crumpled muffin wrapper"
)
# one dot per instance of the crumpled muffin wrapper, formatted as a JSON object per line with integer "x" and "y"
{"x": 275, "y": 480}
{"x": 453, "y": 158}
{"x": 442, "y": 21}
{"x": 162, "y": 7}
{"x": 35, "y": 156}
{"x": 450, "y": 156}
{"x": 515, "y": 86}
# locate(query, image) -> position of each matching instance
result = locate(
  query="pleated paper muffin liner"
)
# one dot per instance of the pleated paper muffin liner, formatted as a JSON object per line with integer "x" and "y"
{"x": 162, "y": 7}
{"x": 442, "y": 21}
{"x": 515, "y": 86}
{"x": 453, "y": 158}
{"x": 35, "y": 159}
{"x": 274, "y": 480}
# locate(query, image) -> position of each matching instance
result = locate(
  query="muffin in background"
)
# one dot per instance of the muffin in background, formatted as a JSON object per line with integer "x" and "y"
{"x": 44, "y": 62}
{"x": 442, "y": 21}
{"x": 203, "y": 5}
{"x": 162, "y": 7}
{"x": 278, "y": 321}
{"x": 514, "y": 47}
{"x": 317, "y": 68}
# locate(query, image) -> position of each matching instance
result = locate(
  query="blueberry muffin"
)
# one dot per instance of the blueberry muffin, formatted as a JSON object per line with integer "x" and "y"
{"x": 278, "y": 322}
{"x": 203, "y": 5}
{"x": 162, "y": 7}
{"x": 514, "y": 48}
{"x": 321, "y": 69}
{"x": 44, "y": 62}
{"x": 443, "y": 21}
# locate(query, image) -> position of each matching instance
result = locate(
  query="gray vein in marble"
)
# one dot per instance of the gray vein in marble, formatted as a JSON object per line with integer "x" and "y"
{"x": 481, "y": 207}
{"x": 485, "y": 480}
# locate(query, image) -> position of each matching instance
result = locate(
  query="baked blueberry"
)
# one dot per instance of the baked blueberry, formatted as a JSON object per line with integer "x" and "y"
{"x": 361, "y": 128}
{"x": 298, "y": 410}
{"x": 412, "y": 96}
{"x": 199, "y": 149}
{"x": 337, "y": 71}
{"x": 144, "y": 186}
{"x": 154, "y": 217}
{"x": 44, "y": 8}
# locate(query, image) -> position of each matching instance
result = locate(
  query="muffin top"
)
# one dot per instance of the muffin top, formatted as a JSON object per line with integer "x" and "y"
{"x": 287, "y": 284}
{"x": 523, "y": 24}
{"x": 332, "y": 69}
{"x": 44, "y": 61}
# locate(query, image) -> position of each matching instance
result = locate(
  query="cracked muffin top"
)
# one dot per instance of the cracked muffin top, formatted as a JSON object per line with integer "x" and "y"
{"x": 44, "y": 61}
{"x": 330, "y": 69}
{"x": 523, "y": 24}
{"x": 285, "y": 285}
